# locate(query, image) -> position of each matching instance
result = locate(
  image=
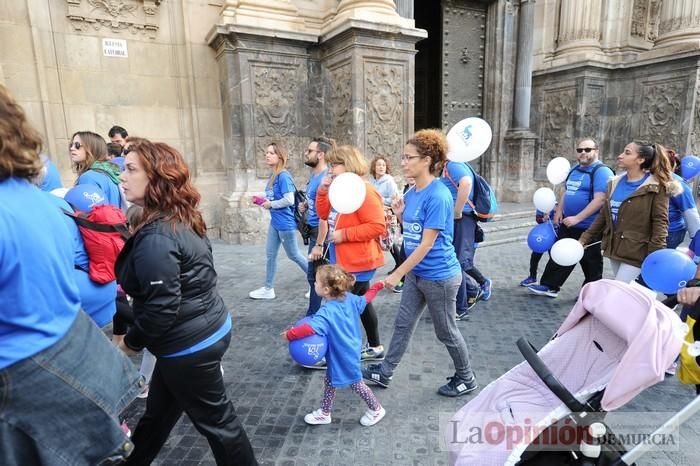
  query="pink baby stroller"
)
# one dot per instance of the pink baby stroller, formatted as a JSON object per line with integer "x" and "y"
{"x": 616, "y": 342}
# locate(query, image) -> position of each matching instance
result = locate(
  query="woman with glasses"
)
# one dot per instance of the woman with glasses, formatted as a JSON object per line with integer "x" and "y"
{"x": 633, "y": 221}
{"x": 88, "y": 152}
{"x": 167, "y": 268}
{"x": 279, "y": 200}
{"x": 354, "y": 238}
{"x": 432, "y": 274}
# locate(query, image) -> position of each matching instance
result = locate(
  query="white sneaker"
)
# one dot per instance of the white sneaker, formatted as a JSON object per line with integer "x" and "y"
{"x": 262, "y": 293}
{"x": 371, "y": 417}
{"x": 308, "y": 294}
{"x": 317, "y": 417}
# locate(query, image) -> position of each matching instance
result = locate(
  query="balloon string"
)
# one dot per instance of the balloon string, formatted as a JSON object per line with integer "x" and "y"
{"x": 592, "y": 244}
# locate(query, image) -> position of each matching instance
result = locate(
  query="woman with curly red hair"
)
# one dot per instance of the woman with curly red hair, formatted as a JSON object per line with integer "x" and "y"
{"x": 168, "y": 269}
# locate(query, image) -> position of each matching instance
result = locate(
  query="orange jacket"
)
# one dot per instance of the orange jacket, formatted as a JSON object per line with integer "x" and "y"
{"x": 361, "y": 230}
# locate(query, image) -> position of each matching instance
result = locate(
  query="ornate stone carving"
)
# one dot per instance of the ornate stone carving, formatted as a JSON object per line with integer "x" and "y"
{"x": 661, "y": 112}
{"x": 275, "y": 96}
{"x": 592, "y": 111}
{"x": 557, "y": 129}
{"x": 134, "y": 16}
{"x": 384, "y": 109}
{"x": 695, "y": 135}
{"x": 645, "y": 19}
{"x": 341, "y": 104}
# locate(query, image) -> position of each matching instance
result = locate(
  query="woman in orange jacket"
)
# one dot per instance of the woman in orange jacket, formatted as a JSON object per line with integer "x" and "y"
{"x": 354, "y": 238}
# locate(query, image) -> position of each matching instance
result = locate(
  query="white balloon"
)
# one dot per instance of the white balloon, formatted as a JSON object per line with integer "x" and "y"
{"x": 567, "y": 251}
{"x": 544, "y": 200}
{"x": 468, "y": 139}
{"x": 557, "y": 170}
{"x": 347, "y": 192}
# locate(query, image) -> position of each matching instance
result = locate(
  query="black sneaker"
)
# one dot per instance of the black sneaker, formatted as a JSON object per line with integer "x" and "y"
{"x": 373, "y": 373}
{"x": 463, "y": 316}
{"x": 457, "y": 386}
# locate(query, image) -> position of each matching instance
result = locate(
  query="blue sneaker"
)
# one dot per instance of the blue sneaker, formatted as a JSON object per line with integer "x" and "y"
{"x": 528, "y": 281}
{"x": 486, "y": 290}
{"x": 373, "y": 373}
{"x": 543, "y": 290}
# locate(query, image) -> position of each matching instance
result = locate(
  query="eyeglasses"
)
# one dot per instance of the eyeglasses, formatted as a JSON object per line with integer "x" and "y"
{"x": 585, "y": 149}
{"x": 331, "y": 165}
{"x": 308, "y": 151}
{"x": 407, "y": 158}
{"x": 75, "y": 144}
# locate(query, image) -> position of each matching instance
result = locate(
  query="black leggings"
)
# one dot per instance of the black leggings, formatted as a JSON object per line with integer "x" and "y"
{"x": 123, "y": 317}
{"x": 369, "y": 316}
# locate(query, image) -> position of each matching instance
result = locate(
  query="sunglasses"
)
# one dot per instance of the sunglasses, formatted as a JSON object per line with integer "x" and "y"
{"x": 586, "y": 149}
{"x": 75, "y": 144}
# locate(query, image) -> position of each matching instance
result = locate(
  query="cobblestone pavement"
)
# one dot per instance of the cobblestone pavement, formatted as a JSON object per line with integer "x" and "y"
{"x": 272, "y": 394}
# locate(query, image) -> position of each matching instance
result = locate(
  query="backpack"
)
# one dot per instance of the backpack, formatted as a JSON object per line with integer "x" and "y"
{"x": 591, "y": 174}
{"x": 485, "y": 204}
{"x": 299, "y": 216}
{"x": 104, "y": 233}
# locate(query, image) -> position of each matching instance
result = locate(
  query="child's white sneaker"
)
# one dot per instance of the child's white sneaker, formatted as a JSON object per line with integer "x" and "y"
{"x": 371, "y": 417}
{"x": 318, "y": 417}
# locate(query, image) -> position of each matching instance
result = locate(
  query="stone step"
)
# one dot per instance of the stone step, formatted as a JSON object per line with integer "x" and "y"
{"x": 508, "y": 228}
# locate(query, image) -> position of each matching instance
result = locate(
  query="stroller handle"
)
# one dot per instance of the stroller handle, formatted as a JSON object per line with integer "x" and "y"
{"x": 543, "y": 372}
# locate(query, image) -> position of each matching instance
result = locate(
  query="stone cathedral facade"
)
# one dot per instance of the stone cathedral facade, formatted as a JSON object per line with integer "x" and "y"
{"x": 220, "y": 79}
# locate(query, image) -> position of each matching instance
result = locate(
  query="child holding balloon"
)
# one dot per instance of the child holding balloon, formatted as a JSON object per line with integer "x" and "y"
{"x": 540, "y": 218}
{"x": 338, "y": 321}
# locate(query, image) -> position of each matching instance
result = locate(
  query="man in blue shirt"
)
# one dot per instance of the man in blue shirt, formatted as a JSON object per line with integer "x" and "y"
{"x": 586, "y": 187}
{"x": 316, "y": 159}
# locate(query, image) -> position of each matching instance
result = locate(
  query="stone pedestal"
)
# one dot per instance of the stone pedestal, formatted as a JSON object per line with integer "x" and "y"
{"x": 518, "y": 184}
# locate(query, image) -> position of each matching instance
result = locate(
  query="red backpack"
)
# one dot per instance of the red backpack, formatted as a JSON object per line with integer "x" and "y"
{"x": 104, "y": 233}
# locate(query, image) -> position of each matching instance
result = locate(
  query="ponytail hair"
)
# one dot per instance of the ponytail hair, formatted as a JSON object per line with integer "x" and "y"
{"x": 335, "y": 278}
{"x": 657, "y": 161}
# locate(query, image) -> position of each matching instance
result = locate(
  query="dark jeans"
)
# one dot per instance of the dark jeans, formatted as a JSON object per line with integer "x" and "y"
{"x": 534, "y": 262}
{"x": 369, "y": 316}
{"x": 314, "y": 299}
{"x": 192, "y": 384}
{"x": 675, "y": 238}
{"x": 61, "y": 406}
{"x": 463, "y": 241}
{"x": 555, "y": 275}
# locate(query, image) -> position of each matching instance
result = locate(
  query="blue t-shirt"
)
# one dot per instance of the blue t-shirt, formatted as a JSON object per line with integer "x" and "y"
{"x": 457, "y": 171}
{"x": 363, "y": 276}
{"x": 311, "y": 190}
{"x": 97, "y": 299}
{"x": 38, "y": 294}
{"x": 339, "y": 321}
{"x": 578, "y": 190}
{"x": 112, "y": 194}
{"x": 282, "y": 219}
{"x": 622, "y": 191}
{"x": 679, "y": 204}
{"x": 431, "y": 207}
{"x": 52, "y": 179}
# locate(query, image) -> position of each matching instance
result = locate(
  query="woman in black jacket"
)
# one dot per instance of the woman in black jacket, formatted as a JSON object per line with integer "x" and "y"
{"x": 167, "y": 268}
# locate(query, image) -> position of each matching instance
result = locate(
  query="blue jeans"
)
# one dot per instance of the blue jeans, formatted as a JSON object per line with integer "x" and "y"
{"x": 463, "y": 241}
{"x": 288, "y": 240}
{"x": 60, "y": 406}
{"x": 675, "y": 238}
{"x": 314, "y": 299}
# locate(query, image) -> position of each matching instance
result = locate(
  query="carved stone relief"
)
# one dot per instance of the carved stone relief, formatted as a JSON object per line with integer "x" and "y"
{"x": 340, "y": 104}
{"x": 557, "y": 128}
{"x": 662, "y": 108}
{"x": 592, "y": 111}
{"x": 384, "y": 109}
{"x": 275, "y": 110}
{"x": 695, "y": 135}
{"x": 645, "y": 19}
{"x": 134, "y": 16}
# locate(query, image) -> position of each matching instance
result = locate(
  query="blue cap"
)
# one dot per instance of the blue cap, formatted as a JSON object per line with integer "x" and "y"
{"x": 85, "y": 196}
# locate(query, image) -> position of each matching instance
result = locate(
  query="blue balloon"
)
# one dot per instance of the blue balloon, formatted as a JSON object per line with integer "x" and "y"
{"x": 542, "y": 237}
{"x": 667, "y": 270}
{"x": 119, "y": 161}
{"x": 84, "y": 197}
{"x": 309, "y": 350}
{"x": 690, "y": 167}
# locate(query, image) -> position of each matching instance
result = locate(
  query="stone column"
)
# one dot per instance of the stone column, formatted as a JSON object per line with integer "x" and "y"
{"x": 368, "y": 11}
{"x": 405, "y": 8}
{"x": 679, "y": 23}
{"x": 523, "y": 72}
{"x": 579, "y": 26}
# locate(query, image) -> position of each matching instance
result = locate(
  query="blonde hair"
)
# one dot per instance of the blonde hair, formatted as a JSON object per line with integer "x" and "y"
{"x": 20, "y": 143}
{"x": 95, "y": 150}
{"x": 336, "y": 279}
{"x": 281, "y": 163}
{"x": 351, "y": 158}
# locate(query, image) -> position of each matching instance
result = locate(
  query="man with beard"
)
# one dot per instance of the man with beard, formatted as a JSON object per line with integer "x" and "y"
{"x": 586, "y": 186}
{"x": 316, "y": 159}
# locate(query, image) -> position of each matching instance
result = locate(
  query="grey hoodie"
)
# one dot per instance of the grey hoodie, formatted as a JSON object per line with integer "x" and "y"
{"x": 386, "y": 187}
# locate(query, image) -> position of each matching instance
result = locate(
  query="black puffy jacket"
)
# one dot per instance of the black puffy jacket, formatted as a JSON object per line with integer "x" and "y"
{"x": 169, "y": 273}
